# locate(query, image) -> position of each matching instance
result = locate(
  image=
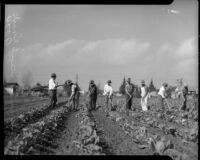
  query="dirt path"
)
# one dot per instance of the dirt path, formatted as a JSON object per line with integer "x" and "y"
{"x": 69, "y": 134}
{"x": 62, "y": 143}
{"x": 117, "y": 141}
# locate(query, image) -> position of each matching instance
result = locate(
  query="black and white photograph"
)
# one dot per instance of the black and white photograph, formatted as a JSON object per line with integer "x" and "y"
{"x": 88, "y": 79}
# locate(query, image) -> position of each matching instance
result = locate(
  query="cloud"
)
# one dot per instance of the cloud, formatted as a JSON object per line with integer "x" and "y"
{"x": 165, "y": 48}
{"x": 171, "y": 11}
{"x": 186, "y": 60}
{"x": 67, "y": 48}
{"x": 80, "y": 56}
{"x": 187, "y": 65}
{"x": 187, "y": 49}
{"x": 174, "y": 11}
{"x": 113, "y": 57}
{"x": 115, "y": 51}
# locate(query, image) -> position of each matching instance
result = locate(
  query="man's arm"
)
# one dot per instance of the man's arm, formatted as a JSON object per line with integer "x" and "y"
{"x": 164, "y": 93}
{"x": 111, "y": 92}
{"x": 127, "y": 91}
{"x": 88, "y": 90}
{"x": 146, "y": 92}
{"x": 104, "y": 90}
{"x": 73, "y": 92}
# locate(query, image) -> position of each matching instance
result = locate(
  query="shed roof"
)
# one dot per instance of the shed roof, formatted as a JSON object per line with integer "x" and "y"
{"x": 11, "y": 84}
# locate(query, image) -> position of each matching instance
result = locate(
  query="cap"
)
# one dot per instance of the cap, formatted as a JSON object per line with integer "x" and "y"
{"x": 69, "y": 82}
{"x": 92, "y": 82}
{"x": 109, "y": 81}
{"x": 143, "y": 82}
{"x": 129, "y": 79}
{"x": 185, "y": 85}
{"x": 165, "y": 84}
{"x": 53, "y": 75}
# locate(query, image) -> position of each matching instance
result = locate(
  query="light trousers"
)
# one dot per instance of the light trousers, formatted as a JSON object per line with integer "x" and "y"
{"x": 144, "y": 103}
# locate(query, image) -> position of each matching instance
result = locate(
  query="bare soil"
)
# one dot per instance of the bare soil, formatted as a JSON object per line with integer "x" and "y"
{"x": 113, "y": 139}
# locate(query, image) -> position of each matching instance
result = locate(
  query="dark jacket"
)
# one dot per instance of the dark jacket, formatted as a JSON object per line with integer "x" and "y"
{"x": 185, "y": 90}
{"x": 130, "y": 88}
{"x": 92, "y": 91}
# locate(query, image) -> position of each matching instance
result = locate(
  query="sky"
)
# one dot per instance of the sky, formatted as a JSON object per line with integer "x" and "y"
{"x": 102, "y": 42}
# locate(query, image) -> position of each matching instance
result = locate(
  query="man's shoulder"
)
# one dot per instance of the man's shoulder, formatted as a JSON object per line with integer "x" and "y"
{"x": 93, "y": 86}
{"x": 127, "y": 85}
{"x": 73, "y": 85}
{"x": 130, "y": 85}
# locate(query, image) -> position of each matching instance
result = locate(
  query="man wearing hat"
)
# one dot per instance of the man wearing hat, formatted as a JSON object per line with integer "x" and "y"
{"x": 108, "y": 92}
{"x": 184, "y": 97}
{"x": 129, "y": 90}
{"x": 53, "y": 90}
{"x": 92, "y": 93}
{"x": 74, "y": 94}
{"x": 162, "y": 94}
{"x": 144, "y": 95}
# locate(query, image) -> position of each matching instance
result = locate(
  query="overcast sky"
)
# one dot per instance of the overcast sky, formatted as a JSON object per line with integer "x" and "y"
{"x": 103, "y": 42}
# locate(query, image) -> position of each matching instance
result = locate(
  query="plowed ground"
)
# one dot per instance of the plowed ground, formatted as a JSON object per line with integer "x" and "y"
{"x": 113, "y": 139}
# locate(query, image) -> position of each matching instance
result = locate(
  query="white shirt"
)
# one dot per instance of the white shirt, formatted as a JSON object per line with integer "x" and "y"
{"x": 108, "y": 90}
{"x": 52, "y": 84}
{"x": 176, "y": 90}
{"x": 73, "y": 88}
{"x": 143, "y": 91}
{"x": 162, "y": 92}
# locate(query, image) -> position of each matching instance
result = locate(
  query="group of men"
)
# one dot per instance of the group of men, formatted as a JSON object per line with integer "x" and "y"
{"x": 108, "y": 93}
{"x": 74, "y": 96}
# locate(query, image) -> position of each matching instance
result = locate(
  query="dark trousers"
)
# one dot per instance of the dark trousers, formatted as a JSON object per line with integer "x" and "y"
{"x": 161, "y": 101}
{"x": 92, "y": 103}
{"x": 183, "y": 106}
{"x": 128, "y": 102}
{"x": 53, "y": 98}
{"x": 75, "y": 102}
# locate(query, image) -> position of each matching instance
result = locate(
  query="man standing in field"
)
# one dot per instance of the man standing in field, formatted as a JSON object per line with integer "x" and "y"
{"x": 53, "y": 90}
{"x": 129, "y": 90}
{"x": 144, "y": 96}
{"x": 74, "y": 94}
{"x": 184, "y": 97}
{"x": 92, "y": 93}
{"x": 162, "y": 94}
{"x": 108, "y": 92}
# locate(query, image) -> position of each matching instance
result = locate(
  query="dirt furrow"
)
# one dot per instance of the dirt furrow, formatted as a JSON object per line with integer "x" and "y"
{"x": 10, "y": 134}
{"x": 63, "y": 141}
{"x": 50, "y": 143}
{"x": 118, "y": 142}
{"x": 69, "y": 134}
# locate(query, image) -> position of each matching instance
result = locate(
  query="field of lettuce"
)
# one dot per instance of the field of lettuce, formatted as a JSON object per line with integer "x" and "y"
{"x": 41, "y": 130}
